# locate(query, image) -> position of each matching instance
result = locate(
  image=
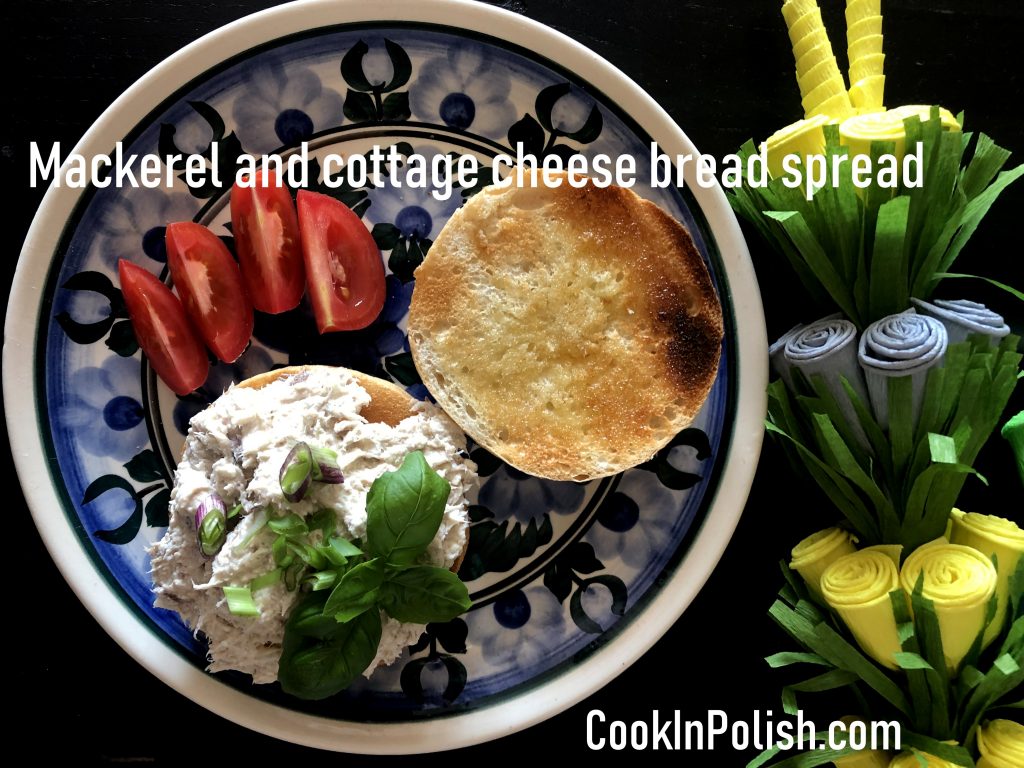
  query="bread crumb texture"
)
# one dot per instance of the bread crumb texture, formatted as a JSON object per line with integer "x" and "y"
{"x": 571, "y": 332}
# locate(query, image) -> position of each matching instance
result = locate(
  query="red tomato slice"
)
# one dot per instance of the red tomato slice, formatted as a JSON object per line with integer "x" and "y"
{"x": 162, "y": 330}
{"x": 344, "y": 269}
{"x": 266, "y": 232}
{"x": 210, "y": 285}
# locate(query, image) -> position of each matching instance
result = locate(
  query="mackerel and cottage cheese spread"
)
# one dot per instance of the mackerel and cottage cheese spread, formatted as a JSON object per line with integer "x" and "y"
{"x": 235, "y": 448}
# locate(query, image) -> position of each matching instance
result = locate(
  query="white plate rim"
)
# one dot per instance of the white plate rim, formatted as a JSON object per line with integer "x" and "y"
{"x": 462, "y": 729}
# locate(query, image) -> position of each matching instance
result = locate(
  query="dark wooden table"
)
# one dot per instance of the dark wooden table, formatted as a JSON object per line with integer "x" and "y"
{"x": 723, "y": 70}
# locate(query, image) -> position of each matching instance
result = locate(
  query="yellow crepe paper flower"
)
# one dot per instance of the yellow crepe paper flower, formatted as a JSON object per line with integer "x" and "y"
{"x": 1001, "y": 743}
{"x": 960, "y": 582}
{"x": 991, "y": 535}
{"x": 817, "y": 552}
{"x": 868, "y": 758}
{"x": 804, "y": 137}
{"x": 913, "y": 760}
{"x": 857, "y": 586}
{"x": 859, "y": 131}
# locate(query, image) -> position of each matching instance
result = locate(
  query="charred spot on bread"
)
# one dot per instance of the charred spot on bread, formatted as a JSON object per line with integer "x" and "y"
{"x": 570, "y": 331}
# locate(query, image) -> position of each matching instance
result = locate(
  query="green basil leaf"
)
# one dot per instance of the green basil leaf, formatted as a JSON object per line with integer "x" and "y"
{"x": 404, "y": 510}
{"x": 357, "y": 591}
{"x": 314, "y": 668}
{"x": 423, "y": 593}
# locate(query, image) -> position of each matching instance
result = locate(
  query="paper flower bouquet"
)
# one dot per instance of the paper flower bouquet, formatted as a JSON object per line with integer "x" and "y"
{"x": 912, "y": 605}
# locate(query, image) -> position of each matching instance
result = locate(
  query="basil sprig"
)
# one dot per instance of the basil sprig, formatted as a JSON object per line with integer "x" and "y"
{"x": 331, "y": 638}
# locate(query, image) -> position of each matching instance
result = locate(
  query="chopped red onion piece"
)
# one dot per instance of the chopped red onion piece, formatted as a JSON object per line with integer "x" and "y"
{"x": 297, "y": 472}
{"x": 211, "y": 524}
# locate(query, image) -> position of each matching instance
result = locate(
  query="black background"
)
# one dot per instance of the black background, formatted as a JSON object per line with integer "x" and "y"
{"x": 724, "y": 71}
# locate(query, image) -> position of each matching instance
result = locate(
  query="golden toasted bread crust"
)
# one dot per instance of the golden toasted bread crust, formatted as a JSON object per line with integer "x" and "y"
{"x": 572, "y": 332}
{"x": 389, "y": 404}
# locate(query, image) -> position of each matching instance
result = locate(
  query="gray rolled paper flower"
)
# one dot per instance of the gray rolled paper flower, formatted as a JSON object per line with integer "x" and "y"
{"x": 907, "y": 344}
{"x": 777, "y": 357}
{"x": 828, "y": 348}
{"x": 962, "y": 317}
{"x": 777, "y": 351}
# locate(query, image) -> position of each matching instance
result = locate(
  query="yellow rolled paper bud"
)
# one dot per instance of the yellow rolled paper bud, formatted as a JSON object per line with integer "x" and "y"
{"x": 822, "y": 93}
{"x": 924, "y": 112}
{"x": 857, "y": 10}
{"x": 857, "y": 587}
{"x": 810, "y": 40}
{"x": 959, "y": 581}
{"x": 859, "y": 131}
{"x": 792, "y": 10}
{"x": 865, "y": 46}
{"x": 913, "y": 760}
{"x": 868, "y": 95}
{"x": 836, "y": 107}
{"x": 865, "y": 758}
{"x": 867, "y": 66}
{"x": 817, "y": 552}
{"x": 992, "y": 536}
{"x": 1001, "y": 743}
{"x": 871, "y": 25}
{"x": 804, "y": 137}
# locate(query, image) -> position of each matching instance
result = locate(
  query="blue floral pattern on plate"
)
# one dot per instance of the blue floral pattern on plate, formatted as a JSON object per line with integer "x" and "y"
{"x": 551, "y": 566}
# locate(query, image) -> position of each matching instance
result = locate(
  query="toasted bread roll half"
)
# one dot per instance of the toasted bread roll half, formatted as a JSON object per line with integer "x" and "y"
{"x": 389, "y": 404}
{"x": 571, "y": 332}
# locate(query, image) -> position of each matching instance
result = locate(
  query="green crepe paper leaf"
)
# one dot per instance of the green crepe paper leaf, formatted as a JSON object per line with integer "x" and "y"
{"x": 942, "y": 448}
{"x": 951, "y": 752}
{"x": 817, "y": 260}
{"x": 836, "y": 678}
{"x": 926, "y": 629}
{"x": 901, "y": 420}
{"x": 911, "y": 661}
{"x": 1008, "y": 288}
{"x": 1006, "y": 664}
{"x": 785, "y": 658}
{"x": 827, "y": 643}
{"x": 888, "y": 287}
{"x": 974, "y": 213}
{"x": 988, "y": 160}
{"x": 842, "y": 458}
{"x": 839, "y": 491}
{"x": 805, "y": 759}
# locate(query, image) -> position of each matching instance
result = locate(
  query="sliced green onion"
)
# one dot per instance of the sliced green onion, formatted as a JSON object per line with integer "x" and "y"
{"x": 311, "y": 556}
{"x": 235, "y": 511}
{"x": 325, "y": 521}
{"x": 282, "y": 553}
{"x": 292, "y": 574}
{"x": 297, "y": 472}
{"x": 266, "y": 580}
{"x": 321, "y": 580}
{"x": 259, "y": 521}
{"x": 211, "y": 524}
{"x": 325, "y": 466}
{"x": 288, "y": 525}
{"x": 240, "y": 601}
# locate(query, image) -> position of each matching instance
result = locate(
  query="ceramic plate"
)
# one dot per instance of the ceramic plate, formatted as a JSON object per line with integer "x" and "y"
{"x": 570, "y": 583}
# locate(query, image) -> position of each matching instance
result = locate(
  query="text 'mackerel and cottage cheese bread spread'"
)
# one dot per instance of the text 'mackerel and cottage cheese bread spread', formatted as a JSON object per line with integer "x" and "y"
{"x": 235, "y": 451}
{"x": 573, "y": 332}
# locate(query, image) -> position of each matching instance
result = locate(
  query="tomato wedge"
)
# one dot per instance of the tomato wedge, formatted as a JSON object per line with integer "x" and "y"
{"x": 208, "y": 280}
{"x": 266, "y": 232}
{"x": 163, "y": 330}
{"x": 344, "y": 269}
